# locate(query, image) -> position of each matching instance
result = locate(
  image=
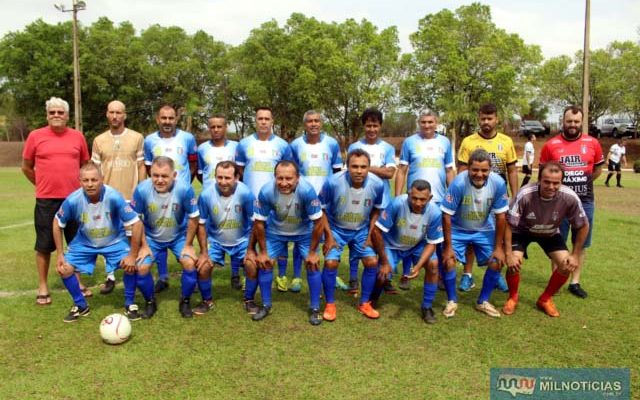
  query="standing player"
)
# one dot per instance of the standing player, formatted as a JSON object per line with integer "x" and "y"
{"x": 51, "y": 160}
{"x": 257, "y": 157}
{"x": 226, "y": 210}
{"x": 102, "y": 215}
{"x": 383, "y": 165}
{"x": 412, "y": 227}
{"x": 120, "y": 155}
{"x": 351, "y": 199}
{"x": 527, "y": 158}
{"x": 290, "y": 209}
{"x": 474, "y": 196}
{"x": 427, "y": 155}
{"x": 535, "y": 216}
{"x": 582, "y": 159}
{"x": 169, "y": 208}
{"x": 617, "y": 153}
{"x": 503, "y": 162}
{"x": 181, "y": 147}
{"x": 318, "y": 156}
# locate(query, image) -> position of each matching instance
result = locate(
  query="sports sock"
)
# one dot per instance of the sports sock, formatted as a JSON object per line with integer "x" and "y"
{"x": 235, "y": 267}
{"x": 608, "y": 177}
{"x": 314, "y": 279}
{"x": 353, "y": 268}
{"x": 129, "y": 281}
{"x": 297, "y": 262}
{"x": 250, "y": 288}
{"x": 111, "y": 276}
{"x": 163, "y": 265}
{"x": 329, "y": 284}
{"x": 428, "y": 294}
{"x": 369, "y": 276}
{"x": 513, "y": 281}
{"x": 145, "y": 284}
{"x": 265, "y": 279}
{"x": 488, "y": 283}
{"x": 555, "y": 283}
{"x": 618, "y": 176}
{"x": 206, "y": 290}
{"x": 73, "y": 286}
{"x": 282, "y": 266}
{"x": 188, "y": 282}
{"x": 406, "y": 266}
{"x": 450, "y": 285}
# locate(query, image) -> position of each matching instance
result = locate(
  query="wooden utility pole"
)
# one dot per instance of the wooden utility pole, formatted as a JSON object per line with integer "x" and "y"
{"x": 585, "y": 69}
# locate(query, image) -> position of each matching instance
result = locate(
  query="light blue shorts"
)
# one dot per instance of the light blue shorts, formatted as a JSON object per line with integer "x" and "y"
{"x": 277, "y": 245}
{"x": 482, "y": 243}
{"x": 83, "y": 258}
{"x": 218, "y": 251}
{"x": 354, "y": 239}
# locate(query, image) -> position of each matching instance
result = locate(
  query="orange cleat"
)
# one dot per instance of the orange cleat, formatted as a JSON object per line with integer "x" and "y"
{"x": 510, "y": 306}
{"x": 329, "y": 312}
{"x": 548, "y": 307}
{"x": 368, "y": 311}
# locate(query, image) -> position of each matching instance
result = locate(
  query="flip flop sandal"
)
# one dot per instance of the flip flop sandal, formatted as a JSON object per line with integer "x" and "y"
{"x": 43, "y": 299}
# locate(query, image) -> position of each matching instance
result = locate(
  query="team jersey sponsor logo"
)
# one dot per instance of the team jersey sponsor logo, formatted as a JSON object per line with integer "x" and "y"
{"x": 367, "y": 202}
{"x": 572, "y": 160}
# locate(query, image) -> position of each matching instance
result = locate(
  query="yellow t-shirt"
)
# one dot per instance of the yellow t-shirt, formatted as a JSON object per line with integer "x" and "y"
{"x": 118, "y": 157}
{"x": 500, "y": 148}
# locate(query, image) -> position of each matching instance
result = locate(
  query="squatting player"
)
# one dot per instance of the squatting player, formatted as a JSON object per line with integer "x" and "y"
{"x": 535, "y": 216}
{"x": 474, "y": 196}
{"x": 102, "y": 215}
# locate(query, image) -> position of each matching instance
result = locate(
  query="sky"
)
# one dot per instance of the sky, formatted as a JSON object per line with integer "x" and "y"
{"x": 557, "y": 26}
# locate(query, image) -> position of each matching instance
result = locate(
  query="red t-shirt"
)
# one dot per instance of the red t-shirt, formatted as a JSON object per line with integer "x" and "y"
{"x": 579, "y": 158}
{"x": 57, "y": 159}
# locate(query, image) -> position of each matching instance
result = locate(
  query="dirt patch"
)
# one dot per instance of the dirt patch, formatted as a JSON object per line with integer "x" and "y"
{"x": 11, "y": 154}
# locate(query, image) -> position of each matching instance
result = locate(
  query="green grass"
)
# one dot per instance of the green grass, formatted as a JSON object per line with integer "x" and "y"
{"x": 225, "y": 355}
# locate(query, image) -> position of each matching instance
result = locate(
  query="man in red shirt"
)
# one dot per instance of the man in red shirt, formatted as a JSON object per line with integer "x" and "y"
{"x": 51, "y": 160}
{"x": 582, "y": 160}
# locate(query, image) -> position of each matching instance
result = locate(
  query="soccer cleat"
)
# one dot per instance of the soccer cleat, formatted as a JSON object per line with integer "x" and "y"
{"x": 107, "y": 287}
{"x": 76, "y": 312}
{"x": 262, "y": 313}
{"x": 405, "y": 283}
{"x": 450, "y": 309}
{"x": 203, "y": 308}
{"x": 577, "y": 291}
{"x": 488, "y": 309}
{"x": 161, "y": 285}
{"x": 150, "y": 309}
{"x": 368, "y": 311}
{"x": 296, "y": 285}
{"x": 389, "y": 288}
{"x": 251, "y": 307}
{"x": 501, "y": 285}
{"x": 314, "y": 317}
{"x": 353, "y": 286}
{"x": 340, "y": 284}
{"x": 606, "y": 184}
{"x": 329, "y": 312}
{"x": 548, "y": 307}
{"x": 281, "y": 283}
{"x": 185, "y": 308}
{"x": 510, "y": 306}
{"x": 235, "y": 282}
{"x": 466, "y": 283}
{"x": 132, "y": 312}
{"x": 620, "y": 186}
{"x": 428, "y": 316}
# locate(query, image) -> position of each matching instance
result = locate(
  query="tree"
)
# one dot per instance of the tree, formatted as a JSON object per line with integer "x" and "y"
{"x": 628, "y": 78}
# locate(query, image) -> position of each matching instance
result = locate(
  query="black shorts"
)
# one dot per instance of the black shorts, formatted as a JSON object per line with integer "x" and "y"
{"x": 526, "y": 170}
{"x": 613, "y": 166}
{"x": 43, "y": 215}
{"x": 549, "y": 244}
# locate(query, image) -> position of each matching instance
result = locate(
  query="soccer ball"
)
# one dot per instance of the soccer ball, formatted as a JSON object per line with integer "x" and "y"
{"x": 115, "y": 329}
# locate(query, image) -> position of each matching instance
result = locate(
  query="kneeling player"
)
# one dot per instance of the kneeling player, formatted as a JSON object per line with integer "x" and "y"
{"x": 412, "y": 226}
{"x": 535, "y": 216}
{"x": 102, "y": 214}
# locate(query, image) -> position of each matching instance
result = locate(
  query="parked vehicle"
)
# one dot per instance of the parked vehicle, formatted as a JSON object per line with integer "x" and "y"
{"x": 532, "y": 126}
{"x": 616, "y": 127}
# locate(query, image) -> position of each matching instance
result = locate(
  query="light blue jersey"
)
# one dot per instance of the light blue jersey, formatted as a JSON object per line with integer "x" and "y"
{"x": 259, "y": 159}
{"x": 165, "y": 215}
{"x": 180, "y": 148}
{"x": 101, "y": 224}
{"x": 471, "y": 207}
{"x": 317, "y": 161}
{"x": 403, "y": 229}
{"x": 382, "y": 154}
{"x": 428, "y": 159}
{"x": 227, "y": 219}
{"x": 350, "y": 208}
{"x": 209, "y": 156}
{"x": 288, "y": 214}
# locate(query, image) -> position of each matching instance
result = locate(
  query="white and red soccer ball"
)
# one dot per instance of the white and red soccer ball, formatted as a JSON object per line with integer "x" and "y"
{"x": 115, "y": 329}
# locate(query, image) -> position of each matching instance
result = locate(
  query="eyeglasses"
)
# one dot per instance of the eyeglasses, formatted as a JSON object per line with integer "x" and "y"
{"x": 56, "y": 112}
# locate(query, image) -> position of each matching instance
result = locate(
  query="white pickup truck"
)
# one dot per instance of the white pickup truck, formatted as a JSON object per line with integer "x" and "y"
{"x": 616, "y": 127}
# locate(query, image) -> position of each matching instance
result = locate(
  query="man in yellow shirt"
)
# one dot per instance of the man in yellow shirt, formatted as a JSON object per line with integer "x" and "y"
{"x": 503, "y": 162}
{"x": 119, "y": 153}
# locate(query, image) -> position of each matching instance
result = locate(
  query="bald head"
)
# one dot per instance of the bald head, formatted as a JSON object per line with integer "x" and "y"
{"x": 116, "y": 115}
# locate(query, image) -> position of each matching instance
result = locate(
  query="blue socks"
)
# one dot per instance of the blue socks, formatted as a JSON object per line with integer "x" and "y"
{"x": 235, "y": 267}
{"x": 488, "y": 284}
{"x": 73, "y": 286}
{"x": 297, "y": 262}
{"x": 282, "y": 266}
{"x": 204, "y": 285}
{"x": 369, "y": 276}
{"x": 353, "y": 268}
{"x": 265, "y": 279}
{"x": 145, "y": 284}
{"x": 250, "y": 288}
{"x": 428, "y": 294}
{"x": 314, "y": 279}
{"x": 450, "y": 285}
{"x": 129, "y": 281}
{"x": 329, "y": 284}
{"x": 188, "y": 282}
{"x": 163, "y": 266}
{"x": 406, "y": 266}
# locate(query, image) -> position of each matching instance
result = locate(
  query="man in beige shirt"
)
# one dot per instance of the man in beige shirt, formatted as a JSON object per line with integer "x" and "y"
{"x": 119, "y": 152}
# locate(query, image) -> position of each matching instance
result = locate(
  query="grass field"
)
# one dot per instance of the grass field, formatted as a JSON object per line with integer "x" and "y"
{"x": 225, "y": 355}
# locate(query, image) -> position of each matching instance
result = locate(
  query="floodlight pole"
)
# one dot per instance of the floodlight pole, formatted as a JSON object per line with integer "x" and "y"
{"x": 585, "y": 69}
